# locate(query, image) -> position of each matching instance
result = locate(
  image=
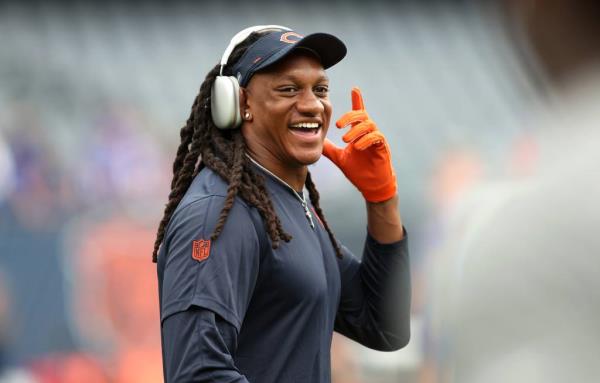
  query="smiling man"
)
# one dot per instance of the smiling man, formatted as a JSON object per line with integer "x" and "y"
{"x": 288, "y": 112}
{"x": 252, "y": 281}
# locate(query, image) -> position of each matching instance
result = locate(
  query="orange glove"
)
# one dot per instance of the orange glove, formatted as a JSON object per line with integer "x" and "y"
{"x": 366, "y": 160}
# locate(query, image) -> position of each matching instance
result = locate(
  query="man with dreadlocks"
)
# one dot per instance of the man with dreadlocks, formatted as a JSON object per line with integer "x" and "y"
{"x": 252, "y": 282}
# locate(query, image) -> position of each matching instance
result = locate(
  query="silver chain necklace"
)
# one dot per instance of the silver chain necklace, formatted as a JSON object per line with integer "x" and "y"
{"x": 301, "y": 197}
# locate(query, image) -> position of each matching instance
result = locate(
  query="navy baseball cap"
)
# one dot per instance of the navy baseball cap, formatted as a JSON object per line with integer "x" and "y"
{"x": 274, "y": 46}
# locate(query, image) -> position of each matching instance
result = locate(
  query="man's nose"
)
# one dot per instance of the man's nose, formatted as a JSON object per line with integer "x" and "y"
{"x": 309, "y": 103}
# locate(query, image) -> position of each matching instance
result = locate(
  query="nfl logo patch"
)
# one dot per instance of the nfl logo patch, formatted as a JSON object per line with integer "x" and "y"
{"x": 201, "y": 249}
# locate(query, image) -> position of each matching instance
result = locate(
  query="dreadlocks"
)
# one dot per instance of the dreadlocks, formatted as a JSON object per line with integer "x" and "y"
{"x": 203, "y": 144}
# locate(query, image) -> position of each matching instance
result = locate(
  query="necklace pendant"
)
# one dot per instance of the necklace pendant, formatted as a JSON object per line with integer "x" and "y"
{"x": 302, "y": 199}
{"x": 309, "y": 217}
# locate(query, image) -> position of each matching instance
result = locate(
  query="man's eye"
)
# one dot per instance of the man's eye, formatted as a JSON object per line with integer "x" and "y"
{"x": 322, "y": 89}
{"x": 287, "y": 89}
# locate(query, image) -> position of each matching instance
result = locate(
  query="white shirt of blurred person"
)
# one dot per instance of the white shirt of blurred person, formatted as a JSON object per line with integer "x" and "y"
{"x": 517, "y": 299}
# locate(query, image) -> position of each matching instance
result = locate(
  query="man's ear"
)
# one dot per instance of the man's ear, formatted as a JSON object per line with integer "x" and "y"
{"x": 244, "y": 106}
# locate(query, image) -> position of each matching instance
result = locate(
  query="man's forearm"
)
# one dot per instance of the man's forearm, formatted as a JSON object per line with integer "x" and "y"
{"x": 384, "y": 222}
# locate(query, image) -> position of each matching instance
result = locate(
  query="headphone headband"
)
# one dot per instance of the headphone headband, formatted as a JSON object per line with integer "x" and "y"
{"x": 241, "y": 36}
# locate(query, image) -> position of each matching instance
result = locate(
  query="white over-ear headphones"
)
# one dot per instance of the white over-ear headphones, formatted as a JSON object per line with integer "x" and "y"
{"x": 225, "y": 93}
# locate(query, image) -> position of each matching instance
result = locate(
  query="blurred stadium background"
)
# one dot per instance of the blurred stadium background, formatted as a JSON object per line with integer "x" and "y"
{"x": 92, "y": 98}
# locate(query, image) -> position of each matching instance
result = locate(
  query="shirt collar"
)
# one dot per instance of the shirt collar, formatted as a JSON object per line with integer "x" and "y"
{"x": 276, "y": 180}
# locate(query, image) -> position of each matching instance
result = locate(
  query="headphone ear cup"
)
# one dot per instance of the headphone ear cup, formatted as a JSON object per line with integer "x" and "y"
{"x": 225, "y": 102}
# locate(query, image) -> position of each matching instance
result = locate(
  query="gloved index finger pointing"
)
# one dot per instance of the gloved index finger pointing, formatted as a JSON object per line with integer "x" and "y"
{"x": 357, "y": 101}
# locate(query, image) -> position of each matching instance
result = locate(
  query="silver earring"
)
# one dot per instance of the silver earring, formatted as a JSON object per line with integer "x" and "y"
{"x": 247, "y": 115}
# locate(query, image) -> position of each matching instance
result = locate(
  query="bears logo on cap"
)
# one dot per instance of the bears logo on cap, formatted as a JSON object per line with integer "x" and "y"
{"x": 286, "y": 37}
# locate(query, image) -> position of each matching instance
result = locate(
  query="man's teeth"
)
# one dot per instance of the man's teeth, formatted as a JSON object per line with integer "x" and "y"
{"x": 306, "y": 125}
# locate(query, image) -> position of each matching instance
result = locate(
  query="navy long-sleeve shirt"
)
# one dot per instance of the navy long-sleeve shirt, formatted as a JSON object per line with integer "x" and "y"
{"x": 236, "y": 310}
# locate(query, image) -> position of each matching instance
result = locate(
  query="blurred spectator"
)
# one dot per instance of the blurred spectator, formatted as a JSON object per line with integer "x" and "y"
{"x": 115, "y": 309}
{"x": 121, "y": 161}
{"x": 517, "y": 299}
{"x": 30, "y": 220}
{"x": 35, "y": 198}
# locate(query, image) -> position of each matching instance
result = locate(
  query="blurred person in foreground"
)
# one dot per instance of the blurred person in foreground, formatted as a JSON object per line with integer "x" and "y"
{"x": 252, "y": 281}
{"x": 519, "y": 299}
